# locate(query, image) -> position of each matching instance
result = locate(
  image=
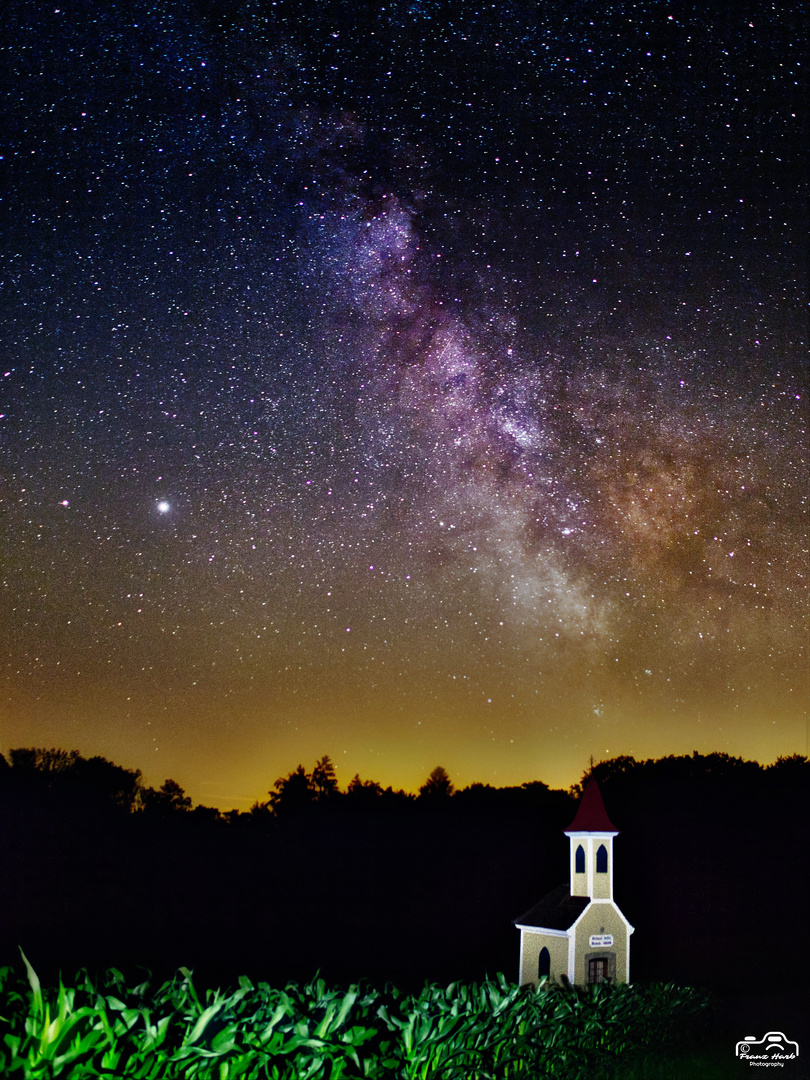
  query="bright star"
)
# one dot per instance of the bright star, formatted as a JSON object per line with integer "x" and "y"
{"x": 163, "y": 507}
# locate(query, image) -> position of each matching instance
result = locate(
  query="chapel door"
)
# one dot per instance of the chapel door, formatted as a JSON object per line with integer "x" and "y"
{"x": 598, "y": 969}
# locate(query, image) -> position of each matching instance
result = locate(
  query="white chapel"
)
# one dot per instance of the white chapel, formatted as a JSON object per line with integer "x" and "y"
{"x": 578, "y": 930}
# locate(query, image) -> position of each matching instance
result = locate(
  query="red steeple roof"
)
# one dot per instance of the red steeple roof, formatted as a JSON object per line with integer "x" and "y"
{"x": 591, "y": 815}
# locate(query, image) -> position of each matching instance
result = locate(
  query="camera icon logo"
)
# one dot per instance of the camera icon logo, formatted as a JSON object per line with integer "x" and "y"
{"x": 773, "y": 1046}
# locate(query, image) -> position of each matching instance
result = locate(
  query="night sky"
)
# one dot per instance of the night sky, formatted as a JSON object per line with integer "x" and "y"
{"x": 416, "y": 383}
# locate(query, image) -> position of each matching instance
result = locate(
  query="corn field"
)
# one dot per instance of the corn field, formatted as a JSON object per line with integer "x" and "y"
{"x": 471, "y": 1031}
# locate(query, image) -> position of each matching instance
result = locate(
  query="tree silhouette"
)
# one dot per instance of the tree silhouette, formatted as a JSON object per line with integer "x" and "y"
{"x": 292, "y": 792}
{"x": 437, "y": 786}
{"x": 364, "y": 791}
{"x": 323, "y": 780}
{"x": 794, "y": 767}
{"x": 66, "y": 772}
{"x": 206, "y": 815}
{"x": 39, "y": 760}
{"x": 170, "y": 798}
{"x": 300, "y": 789}
{"x": 102, "y": 778}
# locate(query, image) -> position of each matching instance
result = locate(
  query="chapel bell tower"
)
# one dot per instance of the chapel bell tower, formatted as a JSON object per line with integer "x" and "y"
{"x": 591, "y": 836}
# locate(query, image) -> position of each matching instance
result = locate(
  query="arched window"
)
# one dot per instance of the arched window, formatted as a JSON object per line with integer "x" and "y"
{"x": 579, "y": 860}
{"x": 543, "y": 964}
{"x": 601, "y": 860}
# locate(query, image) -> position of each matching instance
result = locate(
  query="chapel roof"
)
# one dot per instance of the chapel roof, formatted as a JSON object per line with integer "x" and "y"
{"x": 558, "y": 910}
{"x": 591, "y": 815}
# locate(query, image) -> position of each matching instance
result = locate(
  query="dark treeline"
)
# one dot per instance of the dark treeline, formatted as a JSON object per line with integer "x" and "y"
{"x": 98, "y": 869}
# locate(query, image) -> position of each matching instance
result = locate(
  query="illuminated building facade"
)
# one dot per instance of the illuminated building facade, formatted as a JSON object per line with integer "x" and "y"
{"x": 578, "y": 930}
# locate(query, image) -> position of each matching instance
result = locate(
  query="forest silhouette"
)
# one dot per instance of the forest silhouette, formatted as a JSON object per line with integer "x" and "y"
{"x": 369, "y": 882}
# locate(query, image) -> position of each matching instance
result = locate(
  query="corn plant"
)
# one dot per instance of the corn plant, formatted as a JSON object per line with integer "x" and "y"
{"x": 466, "y": 1031}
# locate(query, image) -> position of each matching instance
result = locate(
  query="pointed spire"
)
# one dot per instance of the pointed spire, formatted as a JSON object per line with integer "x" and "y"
{"x": 591, "y": 815}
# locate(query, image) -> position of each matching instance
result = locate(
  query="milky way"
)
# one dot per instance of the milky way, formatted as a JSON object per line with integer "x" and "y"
{"x": 408, "y": 384}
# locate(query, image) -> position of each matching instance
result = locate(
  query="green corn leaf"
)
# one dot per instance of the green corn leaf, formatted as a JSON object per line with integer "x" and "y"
{"x": 155, "y": 1034}
{"x": 202, "y": 1022}
{"x": 13, "y": 1043}
{"x": 278, "y": 1015}
{"x": 71, "y": 1029}
{"x": 345, "y": 1004}
{"x": 225, "y": 1041}
{"x": 130, "y": 1017}
{"x": 36, "y": 989}
{"x": 326, "y": 1023}
{"x": 110, "y": 1058}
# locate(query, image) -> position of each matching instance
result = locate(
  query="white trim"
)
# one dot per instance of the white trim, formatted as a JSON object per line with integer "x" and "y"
{"x": 572, "y": 958}
{"x": 627, "y": 957}
{"x": 541, "y": 930}
{"x": 586, "y": 832}
{"x": 579, "y": 919}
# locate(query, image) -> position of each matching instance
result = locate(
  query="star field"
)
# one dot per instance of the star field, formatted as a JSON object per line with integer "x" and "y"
{"x": 411, "y": 383}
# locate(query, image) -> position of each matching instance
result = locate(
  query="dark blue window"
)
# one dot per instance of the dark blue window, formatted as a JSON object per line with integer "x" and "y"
{"x": 601, "y": 860}
{"x": 543, "y": 964}
{"x": 579, "y": 860}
